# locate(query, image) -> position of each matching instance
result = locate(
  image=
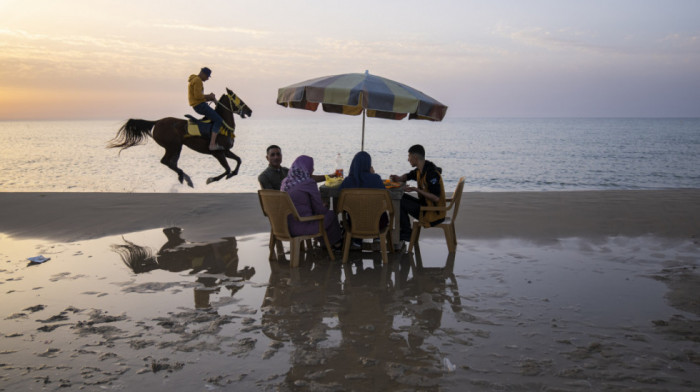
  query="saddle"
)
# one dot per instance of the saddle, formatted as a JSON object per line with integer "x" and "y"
{"x": 202, "y": 127}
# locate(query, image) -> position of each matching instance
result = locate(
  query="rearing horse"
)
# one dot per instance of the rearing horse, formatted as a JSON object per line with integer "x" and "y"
{"x": 171, "y": 133}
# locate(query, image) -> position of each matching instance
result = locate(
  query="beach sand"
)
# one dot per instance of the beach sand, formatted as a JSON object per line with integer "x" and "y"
{"x": 530, "y": 215}
{"x": 589, "y": 290}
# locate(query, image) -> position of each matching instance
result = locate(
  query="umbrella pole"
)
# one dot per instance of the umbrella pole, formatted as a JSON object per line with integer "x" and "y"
{"x": 363, "y": 130}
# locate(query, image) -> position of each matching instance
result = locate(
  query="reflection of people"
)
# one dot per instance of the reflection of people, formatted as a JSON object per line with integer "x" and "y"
{"x": 198, "y": 101}
{"x": 306, "y": 197}
{"x": 430, "y": 189}
{"x": 271, "y": 178}
{"x": 296, "y": 301}
{"x": 308, "y": 306}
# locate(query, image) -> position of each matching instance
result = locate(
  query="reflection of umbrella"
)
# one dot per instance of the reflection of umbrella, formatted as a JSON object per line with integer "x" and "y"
{"x": 370, "y": 95}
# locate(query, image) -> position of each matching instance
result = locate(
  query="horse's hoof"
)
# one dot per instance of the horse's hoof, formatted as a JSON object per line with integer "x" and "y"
{"x": 210, "y": 180}
{"x": 189, "y": 181}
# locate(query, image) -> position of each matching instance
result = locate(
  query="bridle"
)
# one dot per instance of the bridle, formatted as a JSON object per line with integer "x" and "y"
{"x": 232, "y": 100}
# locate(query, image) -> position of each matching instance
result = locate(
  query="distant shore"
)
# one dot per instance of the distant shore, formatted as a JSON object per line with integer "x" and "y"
{"x": 536, "y": 216}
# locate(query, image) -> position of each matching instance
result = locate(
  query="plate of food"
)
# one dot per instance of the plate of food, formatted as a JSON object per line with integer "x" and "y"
{"x": 333, "y": 182}
{"x": 391, "y": 184}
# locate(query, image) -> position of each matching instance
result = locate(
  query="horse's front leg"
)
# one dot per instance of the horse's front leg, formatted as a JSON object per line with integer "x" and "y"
{"x": 230, "y": 154}
{"x": 221, "y": 157}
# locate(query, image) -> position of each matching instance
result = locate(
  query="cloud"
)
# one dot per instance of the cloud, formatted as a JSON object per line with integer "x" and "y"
{"x": 43, "y": 58}
{"x": 558, "y": 40}
{"x": 211, "y": 29}
{"x": 606, "y": 48}
{"x": 685, "y": 43}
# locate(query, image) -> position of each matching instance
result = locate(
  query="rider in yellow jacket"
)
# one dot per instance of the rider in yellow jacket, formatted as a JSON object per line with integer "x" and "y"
{"x": 198, "y": 100}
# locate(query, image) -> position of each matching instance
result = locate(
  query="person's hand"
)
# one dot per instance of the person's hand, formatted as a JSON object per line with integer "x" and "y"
{"x": 410, "y": 189}
{"x": 211, "y": 97}
{"x": 394, "y": 178}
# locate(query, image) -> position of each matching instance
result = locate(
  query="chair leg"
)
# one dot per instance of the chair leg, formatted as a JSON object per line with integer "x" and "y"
{"x": 273, "y": 240}
{"x": 386, "y": 275}
{"x": 346, "y": 247}
{"x": 280, "y": 248}
{"x": 382, "y": 241}
{"x": 449, "y": 238}
{"x": 328, "y": 246}
{"x": 294, "y": 253}
{"x": 389, "y": 241}
{"x": 414, "y": 236}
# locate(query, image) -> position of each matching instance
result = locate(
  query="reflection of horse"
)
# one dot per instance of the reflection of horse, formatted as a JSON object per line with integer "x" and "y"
{"x": 171, "y": 133}
{"x": 177, "y": 255}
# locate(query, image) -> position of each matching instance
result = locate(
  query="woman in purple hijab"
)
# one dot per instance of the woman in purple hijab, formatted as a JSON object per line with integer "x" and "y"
{"x": 306, "y": 197}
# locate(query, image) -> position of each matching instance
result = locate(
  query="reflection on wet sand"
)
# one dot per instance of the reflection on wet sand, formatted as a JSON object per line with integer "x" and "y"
{"x": 219, "y": 261}
{"x": 362, "y": 325}
{"x": 504, "y": 315}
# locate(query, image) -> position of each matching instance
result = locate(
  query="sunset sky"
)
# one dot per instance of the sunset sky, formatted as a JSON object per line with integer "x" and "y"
{"x": 96, "y": 59}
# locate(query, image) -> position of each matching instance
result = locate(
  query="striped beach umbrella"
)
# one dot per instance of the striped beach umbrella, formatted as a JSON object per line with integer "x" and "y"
{"x": 356, "y": 93}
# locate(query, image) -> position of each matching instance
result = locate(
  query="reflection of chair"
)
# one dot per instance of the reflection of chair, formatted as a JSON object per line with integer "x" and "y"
{"x": 277, "y": 206}
{"x": 362, "y": 210}
{"x": 437, "y": 279}
{"x": 448, "y": 225}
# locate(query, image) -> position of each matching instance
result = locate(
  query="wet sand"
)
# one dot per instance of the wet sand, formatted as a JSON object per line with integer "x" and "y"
{"x": 566, "y": 291}
{"x": 531, "y": 215}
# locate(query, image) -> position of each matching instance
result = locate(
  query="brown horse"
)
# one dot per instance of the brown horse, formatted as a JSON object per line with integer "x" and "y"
{"x": 171, "y": 133}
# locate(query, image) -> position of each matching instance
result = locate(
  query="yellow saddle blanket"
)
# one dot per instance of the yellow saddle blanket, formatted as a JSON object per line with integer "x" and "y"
{"x": 193, "y": 129}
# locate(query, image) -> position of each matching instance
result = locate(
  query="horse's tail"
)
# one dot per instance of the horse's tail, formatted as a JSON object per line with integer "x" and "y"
{"x": 138, "y": 258}
{"x": 132, "y": 133}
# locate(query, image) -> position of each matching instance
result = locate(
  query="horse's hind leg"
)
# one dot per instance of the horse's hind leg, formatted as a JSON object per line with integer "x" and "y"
{"x": 172, "y": 155}
{"x": 235, "y": 157}
{"x": 219, "y": 155}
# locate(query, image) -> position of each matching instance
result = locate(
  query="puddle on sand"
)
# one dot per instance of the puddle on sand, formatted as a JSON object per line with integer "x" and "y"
{"x": 151, "y": 310}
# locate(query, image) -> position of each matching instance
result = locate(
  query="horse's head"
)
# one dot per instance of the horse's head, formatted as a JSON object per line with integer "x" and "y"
{"x": 235, "y": 104}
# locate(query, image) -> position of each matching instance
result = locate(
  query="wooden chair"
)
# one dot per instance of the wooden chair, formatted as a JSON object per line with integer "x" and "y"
{"x": 362, "y": 209}
{"x": 448, "y": 225}
{"x": 277, "y": 206}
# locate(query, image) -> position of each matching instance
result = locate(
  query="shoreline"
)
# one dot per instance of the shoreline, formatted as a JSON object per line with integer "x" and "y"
{"x": 538, "y": 216}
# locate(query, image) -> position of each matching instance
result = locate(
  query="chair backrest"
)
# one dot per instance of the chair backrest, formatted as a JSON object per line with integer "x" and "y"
{"x": 365, "y": 207}
{"x": 457, "y": 197}
{"x": 277, "y": 206}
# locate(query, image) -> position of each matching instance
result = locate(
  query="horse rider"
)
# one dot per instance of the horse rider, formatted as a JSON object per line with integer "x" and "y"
{"x": 198, "y": 101}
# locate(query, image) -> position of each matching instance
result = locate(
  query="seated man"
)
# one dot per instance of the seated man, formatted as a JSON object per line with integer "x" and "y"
{"x": 271, "y": 178}
{"x": 431, "y": 192}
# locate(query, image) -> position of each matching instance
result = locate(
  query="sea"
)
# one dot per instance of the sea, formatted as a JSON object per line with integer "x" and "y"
{"x": 493, "y": 154}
